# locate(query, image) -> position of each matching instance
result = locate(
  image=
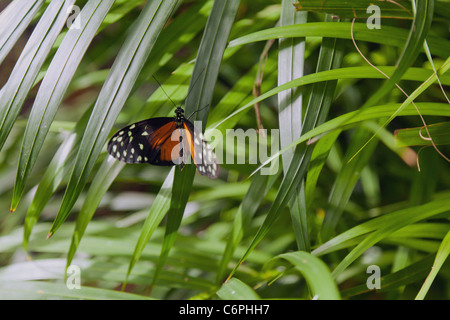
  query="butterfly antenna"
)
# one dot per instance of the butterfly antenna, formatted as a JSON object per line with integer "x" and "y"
{"x": 160, "y": 85}
{"x": 197, "y": 111}
{"x": 193, "y": 84}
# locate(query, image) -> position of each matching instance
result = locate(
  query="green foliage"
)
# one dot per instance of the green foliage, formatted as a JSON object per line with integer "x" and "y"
{"x": 347, "y": 195}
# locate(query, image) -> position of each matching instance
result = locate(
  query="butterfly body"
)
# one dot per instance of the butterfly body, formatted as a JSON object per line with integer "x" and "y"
{"x": 164, "y": 141}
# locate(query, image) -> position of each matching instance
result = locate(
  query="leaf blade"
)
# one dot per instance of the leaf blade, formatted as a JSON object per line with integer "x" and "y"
{"x": 53, "y": 87}
{"x": 316, "y": 273}
{"x": 205, "y": 73}
{"x": 113, "y": 95}
{"x": 13, "y": 94}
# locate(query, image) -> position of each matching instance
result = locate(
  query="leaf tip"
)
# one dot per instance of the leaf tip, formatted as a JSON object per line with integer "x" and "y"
{"x": 14, "y": 204}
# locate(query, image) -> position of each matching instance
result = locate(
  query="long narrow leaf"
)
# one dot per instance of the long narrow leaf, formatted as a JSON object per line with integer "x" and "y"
{"x": 316, "y": 273}
{"x": 318, "y": 158}
{"x": 235, "y": 289}
{"x": 357, "y": 8}
{"x": 175, "y": 88}
{"x": 346, "y": 180}
{"x": 13, "y": 22}
{"x": 388, "y": 226}
{"x": 105, "y": 176}
{"x": 441, "y": 256}
{"x": 291, "y": 56}
{"x": 53, "y": 88}
{"x": 407, "y": 275}
{"x": 290, "y": 66}
{"x": 427, "y": 76}
{"x": 387, "y": 35}
{"x": 318, "y": 106}
{"x": 206, "y": 70}
{"x": 157, "y": 212}
{"x": 414, "y": 44}
{"x": 245, "y": 212}
{"x": 181, "y": 188}
{"x": 114, "y": 93}
{"x": 440, "y": 132}
{"x": 317, "y": 110}
{"x": 22, "y": 78}
{"x": 34, "y": 290}
{"x": 58, "y": 167}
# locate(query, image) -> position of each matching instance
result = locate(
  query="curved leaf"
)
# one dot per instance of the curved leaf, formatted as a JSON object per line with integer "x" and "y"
{"x": 414, "y": 74}
{"x": 291, "y": 57}
{"x": 33, "y": 290}
{"x": 316, "y": 273}
{"x": 201, "y": 88}
{"x": 113, "y": 95}
{"x": 33, "y": 56}
{"x": 441, "y": 256}
{"x": 387, "y": 35}
{"x": 13, "y": 22}
{"x": 234, "y": 289}
{"x": 53, "y": 88}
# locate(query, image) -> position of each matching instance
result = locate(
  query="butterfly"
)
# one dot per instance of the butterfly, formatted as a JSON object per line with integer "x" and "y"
{"x": 164, "y": 141}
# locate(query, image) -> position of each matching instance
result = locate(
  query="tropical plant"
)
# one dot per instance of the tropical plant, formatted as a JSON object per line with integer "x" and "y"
{"x": 355, "y": 204}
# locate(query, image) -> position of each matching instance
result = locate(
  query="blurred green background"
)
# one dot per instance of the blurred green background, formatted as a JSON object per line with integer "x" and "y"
{"x": 352, "y": 196}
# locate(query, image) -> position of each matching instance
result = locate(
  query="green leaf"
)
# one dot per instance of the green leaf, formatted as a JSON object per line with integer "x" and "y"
{"x": 35, "y": 290}
{"x": 176, "y": 35}
{"x": 235, "y": 289}
{"x": 357, "y": 8}
{"x": 33, "y": 56}
{"x": 387, "y": 35}
{"x": 209, "y": 58}
{"x": 246, "y": 211}
{"x": 439, "y": 132}
{"x": 176, "y": 88}
{"x": 54, "y": 174}
{"x": 410, "y": 274}
{"x": 53, "y": 88}
{"x": 353, "y": 73}
{"x": 157, "y": 212}
{"x": 346, "y": 180}
{"x": 414, "y": 44}
{"x": 56, "y": 170}
{"x": 201, "y": 88}
{"x": 108, "y": 171}
{"x": 316, "y": 273}
{"x": 241, "y": 94}
{"x": 291, "y": 57}
{"x": 113, "y": 95}
{"x": 318, "y": 158}
{"x": 350, "y": 119}
{"x": 441, "y": 256}
{"x": 385, "y": 136}
{"x": 400, "y": 218}
{"x": 14, "y": 19}
{"x": 182, "y": 183}
{"x": 317, "y": 110}
{"x": 379, "y": 228}
{"x": 444, "y": 68}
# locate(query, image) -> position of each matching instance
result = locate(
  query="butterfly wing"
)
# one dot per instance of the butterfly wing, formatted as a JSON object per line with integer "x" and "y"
{"x": 157, "y": 141}
{"x": 147, "y": 141}
{"x": 200, "y": 151}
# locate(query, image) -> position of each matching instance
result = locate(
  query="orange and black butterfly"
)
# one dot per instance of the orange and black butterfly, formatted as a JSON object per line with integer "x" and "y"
{"x": 164, "y": 141}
